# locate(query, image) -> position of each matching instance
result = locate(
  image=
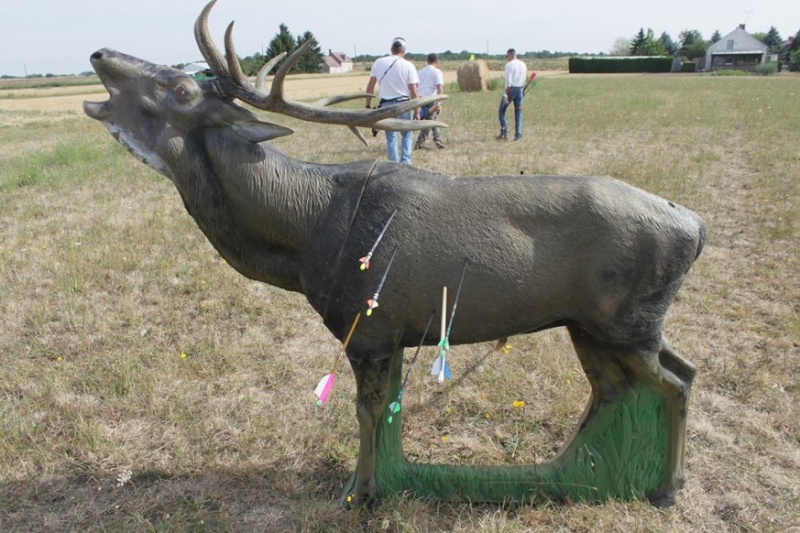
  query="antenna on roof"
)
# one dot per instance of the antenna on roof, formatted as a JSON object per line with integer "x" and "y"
{"x": 746, "y": 12}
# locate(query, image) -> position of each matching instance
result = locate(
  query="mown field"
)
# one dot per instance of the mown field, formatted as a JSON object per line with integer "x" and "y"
{"x": 146, "y": 386}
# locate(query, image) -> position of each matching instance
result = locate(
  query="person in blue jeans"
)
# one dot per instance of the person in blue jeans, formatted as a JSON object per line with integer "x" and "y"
{"x": 515, "y": 74}
{"x": 398, "y": 82}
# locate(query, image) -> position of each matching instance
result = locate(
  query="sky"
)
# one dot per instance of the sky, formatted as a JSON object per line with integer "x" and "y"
{"x": 57, "y": 37}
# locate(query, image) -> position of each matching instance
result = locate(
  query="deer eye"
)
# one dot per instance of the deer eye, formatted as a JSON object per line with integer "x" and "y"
{"x": 181, "y": 93}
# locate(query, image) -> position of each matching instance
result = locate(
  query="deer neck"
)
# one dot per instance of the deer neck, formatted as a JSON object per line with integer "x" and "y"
{"x": 257, "y": 207}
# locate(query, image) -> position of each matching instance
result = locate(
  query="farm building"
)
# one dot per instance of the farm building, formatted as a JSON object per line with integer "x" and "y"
{"x": 738, "y": 50}
{"x": 337, "y": 63}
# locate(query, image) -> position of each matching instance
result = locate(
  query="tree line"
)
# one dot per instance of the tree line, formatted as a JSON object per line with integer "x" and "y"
{"x": 690, "y": 44}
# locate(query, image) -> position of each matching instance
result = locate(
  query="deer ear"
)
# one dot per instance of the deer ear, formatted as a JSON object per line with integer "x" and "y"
{"x": 257, "y": 131}
{"x": 248, "y": 125}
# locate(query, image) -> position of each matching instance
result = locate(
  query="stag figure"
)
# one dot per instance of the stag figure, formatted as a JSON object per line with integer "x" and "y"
{"x": 593, "y": 254}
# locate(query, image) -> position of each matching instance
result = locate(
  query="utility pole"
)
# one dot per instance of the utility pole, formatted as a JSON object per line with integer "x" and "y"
{"x": 25, "y": 68}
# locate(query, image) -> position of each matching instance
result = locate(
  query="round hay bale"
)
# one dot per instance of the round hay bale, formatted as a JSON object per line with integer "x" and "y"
{"x": 473, "y": 76}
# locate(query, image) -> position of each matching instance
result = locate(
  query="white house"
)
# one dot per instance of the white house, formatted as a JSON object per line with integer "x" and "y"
{"x": 337, "y": 63}
{"x": 738, "y": 50}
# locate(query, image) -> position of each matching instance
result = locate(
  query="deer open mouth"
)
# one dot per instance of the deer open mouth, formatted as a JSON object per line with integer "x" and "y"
{"x": 114, "y": 69}
{"x": 99, "y": 110}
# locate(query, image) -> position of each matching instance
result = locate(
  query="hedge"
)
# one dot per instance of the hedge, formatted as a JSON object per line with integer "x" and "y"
{"x": 596, "y": 65}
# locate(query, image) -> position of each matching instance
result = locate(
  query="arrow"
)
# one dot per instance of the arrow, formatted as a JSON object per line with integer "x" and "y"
{"x": 365, "y": 260}
{"x": 395, "y": 406}
{"x": 372, "y": 303}
{"x": 325, "y": 384}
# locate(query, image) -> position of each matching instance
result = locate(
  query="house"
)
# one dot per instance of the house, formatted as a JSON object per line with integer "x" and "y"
{"x": 738, "y": 50}
{"x": 337, "y": 63}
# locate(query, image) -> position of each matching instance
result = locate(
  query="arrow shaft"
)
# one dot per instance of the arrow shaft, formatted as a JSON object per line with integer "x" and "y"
{"x": 346, "y": 342}
{"x": 385, "y": 275}
{"x": 381, "y": 234}
{"x": 455, "y": 300}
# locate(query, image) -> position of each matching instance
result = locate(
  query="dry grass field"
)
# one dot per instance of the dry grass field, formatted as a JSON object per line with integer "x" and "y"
{"x": 146, "y": 386}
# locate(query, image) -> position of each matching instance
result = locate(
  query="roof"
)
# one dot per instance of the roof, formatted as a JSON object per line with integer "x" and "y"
{"x": 336, "y": 59}
{"x": 199, "y": 66}
{"x": 738, "y": 42}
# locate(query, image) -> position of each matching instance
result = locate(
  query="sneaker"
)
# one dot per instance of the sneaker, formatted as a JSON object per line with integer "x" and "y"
{"x": 419, "y": 146}
{"x": 503, "y": 136}
{"x": 517, "y": 137}
{"x": 440, "y": 145}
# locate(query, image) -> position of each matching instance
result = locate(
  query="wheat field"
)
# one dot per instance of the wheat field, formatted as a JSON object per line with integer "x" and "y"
{"x": 146, "y": 386}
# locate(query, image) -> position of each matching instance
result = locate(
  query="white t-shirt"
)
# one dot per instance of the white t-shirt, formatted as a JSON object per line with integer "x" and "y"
{"x": 429, "y": 78}
{"x": 516, "y": 72}
{"x": 394, "y": 74}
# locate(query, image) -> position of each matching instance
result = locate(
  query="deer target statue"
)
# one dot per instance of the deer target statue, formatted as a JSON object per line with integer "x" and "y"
{"x": 593, "y": 254}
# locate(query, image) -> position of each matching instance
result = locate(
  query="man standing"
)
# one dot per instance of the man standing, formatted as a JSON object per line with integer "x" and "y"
{"x": 398, "y": 81}
{"x": 515, "y": 75}
{"x": 431, "y": 82}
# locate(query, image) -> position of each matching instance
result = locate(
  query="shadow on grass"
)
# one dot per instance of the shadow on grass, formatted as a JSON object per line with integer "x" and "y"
{"x": 218, "y": 500}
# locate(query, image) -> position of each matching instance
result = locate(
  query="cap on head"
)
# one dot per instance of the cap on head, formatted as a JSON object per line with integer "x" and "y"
{"x": 398, "y": 44}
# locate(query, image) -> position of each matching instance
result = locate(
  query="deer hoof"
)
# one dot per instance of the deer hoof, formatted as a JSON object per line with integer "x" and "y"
{"x": 661, "y": 498}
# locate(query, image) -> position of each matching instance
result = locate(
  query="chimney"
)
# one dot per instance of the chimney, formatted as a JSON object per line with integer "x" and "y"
{"x": 741, "y": 26}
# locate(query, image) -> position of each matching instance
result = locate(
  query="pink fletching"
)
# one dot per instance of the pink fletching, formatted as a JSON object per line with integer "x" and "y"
{"x": 533, "y": 75}
{"x": 324, "y": 387}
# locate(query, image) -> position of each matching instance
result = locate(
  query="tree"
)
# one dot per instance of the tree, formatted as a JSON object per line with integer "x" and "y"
{"x": 282, "y": 42}
{"x": 669, "y": 45}
{"x": 621, "y": 47}
{"x": 636, "y": 43}
{"x": 692, "y": 44}
{"x": 773, "y": 39}
{"x": 716, "y": 36}
{"x": 647, "y": 45}
{"x": 312, "y": 58}
{"x": 252, "y": 64}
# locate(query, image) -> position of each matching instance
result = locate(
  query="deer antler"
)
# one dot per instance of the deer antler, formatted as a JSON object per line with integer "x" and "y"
{"x": 232, "y": 82}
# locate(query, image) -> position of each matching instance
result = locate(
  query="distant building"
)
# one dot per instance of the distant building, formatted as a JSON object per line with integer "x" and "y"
{"x": 199, "y": 69}
{"x": 337, "y": 63}
{"x": 736, "y": 51}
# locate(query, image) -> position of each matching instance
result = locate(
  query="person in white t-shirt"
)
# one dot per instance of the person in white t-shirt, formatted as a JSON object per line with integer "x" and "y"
{"x": 398, "y": 82}
{"x": 515, "y": 75}
{"x": 431, "y": 81}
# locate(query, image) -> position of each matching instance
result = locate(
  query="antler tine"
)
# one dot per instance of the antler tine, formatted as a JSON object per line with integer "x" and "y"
{"x": 332, "y": 100}
{"x": 234, "y": 67}
{"x": 206, "y": 44}
{"x": 261, "y": 79}
{"x": 398, "y": 124}
{"x": 277, "y": 83}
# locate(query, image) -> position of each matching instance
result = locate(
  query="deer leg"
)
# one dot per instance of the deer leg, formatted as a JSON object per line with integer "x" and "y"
{"x": 677, "y": 374}
{"x": 607, "y": 379}
{"x": 372, "y": 380}
{"x": 611, "y": 368}
{"x": 669, "y": 373}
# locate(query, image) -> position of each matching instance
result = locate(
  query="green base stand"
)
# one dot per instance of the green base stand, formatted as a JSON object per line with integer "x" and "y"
{"x": 618, "y": 452}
